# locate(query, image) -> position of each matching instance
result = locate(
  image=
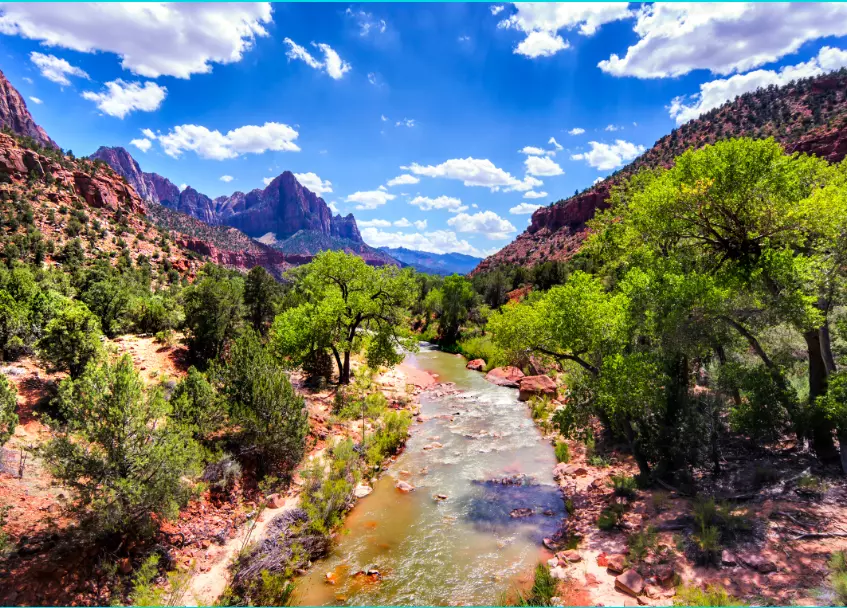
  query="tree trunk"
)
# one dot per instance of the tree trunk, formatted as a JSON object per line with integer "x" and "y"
{"x": 338, "y": 363}
{"x": 821, "y": 428}
{"x": 637, "y": 453}
{"x": 345, "y": 374}
{"x": 842, "y": 441}
{"x": 736, "y": 394}
{"x": 826, "y": 348}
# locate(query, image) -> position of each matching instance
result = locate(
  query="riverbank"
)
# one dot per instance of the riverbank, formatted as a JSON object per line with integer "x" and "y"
{"x": 622, "y": 545}
{"x": 400, "y": 385}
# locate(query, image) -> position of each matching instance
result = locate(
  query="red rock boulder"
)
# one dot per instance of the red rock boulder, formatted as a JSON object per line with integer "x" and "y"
{"x": 505, "y": 376}
{"x": 476, "y": 365}
{"x": 536, "y": 386}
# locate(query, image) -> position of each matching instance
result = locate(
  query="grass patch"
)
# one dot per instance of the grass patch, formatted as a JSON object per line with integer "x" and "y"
{"x": 624, "y": 485}
{"x": 641, "y": 544}
{"x": 610, "y": 517}
{"x": 598, "y": 461}
{"x": 712, "y": 595}
{"x": 563, "y": 452}
{"x": 838, "y": 576}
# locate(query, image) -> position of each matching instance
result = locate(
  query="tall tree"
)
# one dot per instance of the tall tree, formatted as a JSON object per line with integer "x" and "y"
{"x": 345, "y": 304}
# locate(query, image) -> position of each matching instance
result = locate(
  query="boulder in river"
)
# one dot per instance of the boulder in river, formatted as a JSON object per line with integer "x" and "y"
{"x": 536, "y": 386}
{"x": 362, "y": 490}
{"x": 505, "y": 376}
{"x": 404, "y": 486}
{"x": 476, "y": 365}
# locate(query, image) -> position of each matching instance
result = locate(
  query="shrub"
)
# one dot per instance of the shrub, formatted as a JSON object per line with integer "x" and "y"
{"x": 811, "y": 484}
{"x": 222, "y": 474}
{"x": 145, "y": 592}
{"x": 213, "y": 312}
{"x": 713, "y": 595}
{"x": 641, "y": 544}
{"x": 118, "y": 451}
{"x": 71, "y": 339}
{"x": 543, "y": 589}
{"x": 328, "y": 489}
{"x": 196, "y": 404}
{"x": 389, "y": 436}
{"x": 8, "y": 409}
{"x": 563, "y": 452}
{"x": 610, "y": 517}
{"x": 481, "y": 347}
{"x": 714, "y": 525}
{"x": 624, "y": 485}
{"x": 598, "y": 461}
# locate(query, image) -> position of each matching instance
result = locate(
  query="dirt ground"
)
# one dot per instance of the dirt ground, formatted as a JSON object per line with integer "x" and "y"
{"x": 54, "y": 564}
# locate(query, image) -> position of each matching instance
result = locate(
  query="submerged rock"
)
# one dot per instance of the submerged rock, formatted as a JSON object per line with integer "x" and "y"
{"x": 404, "y": 486}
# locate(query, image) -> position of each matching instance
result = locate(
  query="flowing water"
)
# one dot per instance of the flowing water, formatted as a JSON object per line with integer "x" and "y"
{"x": 467, "y": 548}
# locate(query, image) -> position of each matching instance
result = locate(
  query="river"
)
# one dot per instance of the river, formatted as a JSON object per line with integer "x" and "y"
{"x": 467, "y": 548}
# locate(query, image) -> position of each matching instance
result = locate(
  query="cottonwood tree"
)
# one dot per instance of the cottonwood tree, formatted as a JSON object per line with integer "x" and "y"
{"x": 345, "y": 306}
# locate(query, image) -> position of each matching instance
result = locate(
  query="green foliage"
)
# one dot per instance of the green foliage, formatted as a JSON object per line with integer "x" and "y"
{"x": 763, "y": 411}
{"x": 71, "y": 339}
{"x": 118, "y": 452}
{"x": 712, "y": 595}
{"x": 838, "y": 576}
{"x": 273, "y": 589}
{"x": 329, "y": 487}
{"x": 272, "y": 418}
{"x": 196, "y": 404}
{"x": 213, "y": 312}
{"x": 563, "y": 452}
{"x": 624, "y": 485}
{"x": 641, "y": 544}
{"x": 812, "y": 484}
{"x": 146, "y": 592}
{"x": 715, "y": 524}
{"x": 483, "y": 347}
{"x": 343, "y": 301}
{"x": 457, "y": 300}
{"x": 261, "y": 295}
{"x": 611, "y": 516}
{"x": 390, "y": 435}
{"x": 8, "y": 409}
{"x": 543, "y": 588}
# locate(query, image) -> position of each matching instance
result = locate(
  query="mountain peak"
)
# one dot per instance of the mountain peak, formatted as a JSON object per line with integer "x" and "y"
{"x": 15, "y": 116}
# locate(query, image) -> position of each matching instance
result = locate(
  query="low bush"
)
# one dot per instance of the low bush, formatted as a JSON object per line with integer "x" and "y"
{"x": 146, "y": 591}
{"x": 389, "y": 436}
{"x": 624, "y": 485}
{"x": 563, "y": 452}
{"x": 838, "y": 576}
{"x": 712, "y": 595}
{"x": 610, "y": 517}
{"x": 641, "y": 544}
{"x": 481, "y": 347}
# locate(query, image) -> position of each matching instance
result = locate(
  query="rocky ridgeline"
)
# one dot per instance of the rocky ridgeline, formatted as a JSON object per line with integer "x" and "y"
{"x": 15, "y": 115}
{"x": 557, "y": 231}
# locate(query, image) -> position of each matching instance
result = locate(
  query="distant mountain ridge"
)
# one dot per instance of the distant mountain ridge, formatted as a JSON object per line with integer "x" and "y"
{"x": 434, "y": 263}
{"x": 284, "y": 209}
{"x": 808, "y": 115}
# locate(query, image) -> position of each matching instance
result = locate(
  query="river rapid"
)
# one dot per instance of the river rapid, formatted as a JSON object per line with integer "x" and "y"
{"x": 467, "y": 548}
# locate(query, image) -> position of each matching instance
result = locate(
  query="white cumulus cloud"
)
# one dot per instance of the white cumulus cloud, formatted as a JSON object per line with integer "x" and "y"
{"x": 449, "y": 203}
{"x": 543, "y": 166}
{"x": 36, "y": 100}
{"x": 556, "y": 144}
{"x": 609, "y": 156}
{"x": 475, "y": 172}
{"x": 152, "y": 38}
{"x": 541, "y": 22}
{"x": 370, "y": 199}
{"x": 142, "y": 144}
{"x": 524, "y": 209}
{"x": 534, "y": 194}
{"x": 486, "y": 223}
{"x": 403, "y": 180}
{"x": 120, "y": 97}
{"x": 314, "y": 183}
{"x": 724, "y": 38}
{"x": 212, "y": 144}
{"x": 532, "y": 150}
{"x": 374, "y": 223}
{"x": 54, "y": 68}
{"x": 576, "y": 131}
{"x": 716, "y": 92}
{"x": 437, "y": 241}
{"x": 226, "y": 178}
{"x": 332, "y": 63}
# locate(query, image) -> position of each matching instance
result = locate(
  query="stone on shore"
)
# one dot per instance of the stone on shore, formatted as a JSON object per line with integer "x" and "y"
{"x": 476, "y": 365}
{"x": 536, "y": 386}
{"x": 505, "y": 376}
{"x": 629, "y": 582}
{"x": 362, "y": 490}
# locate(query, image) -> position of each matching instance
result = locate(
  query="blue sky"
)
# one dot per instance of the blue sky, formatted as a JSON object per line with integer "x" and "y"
{"x": 461, "y": 99}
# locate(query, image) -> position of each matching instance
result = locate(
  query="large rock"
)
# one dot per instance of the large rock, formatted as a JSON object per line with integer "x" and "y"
{"x": 476, "y": 365}
{"x": 404, "y": 486}
{"x": 362, "y": 490}
{"x": 15, "y": 115}
{"x": 505, "y": 376}
{"x": 616, "y": 562}
{"x": 536, "y": 386}
{"x": 629, "y": 582}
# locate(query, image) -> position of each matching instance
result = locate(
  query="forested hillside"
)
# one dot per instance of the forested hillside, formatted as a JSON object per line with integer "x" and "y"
{"x": 808, "y": 115}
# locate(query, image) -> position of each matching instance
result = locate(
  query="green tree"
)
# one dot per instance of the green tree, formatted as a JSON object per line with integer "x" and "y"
{"x": 271, "y": 417}
{"x": 119, "y": 453}
{"x": 261, "y": 292}
{"x": 8, "y": 409}
{"x": 196, "y": 404}
{"x": 458, "y": 298}
{"x": 71, "y": 339}
{"x": 346, "y": 304}
{"x": 213, "y": 312}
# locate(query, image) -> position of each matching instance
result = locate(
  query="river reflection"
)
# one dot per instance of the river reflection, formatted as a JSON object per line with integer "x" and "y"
{"x": 496, "y": 472}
